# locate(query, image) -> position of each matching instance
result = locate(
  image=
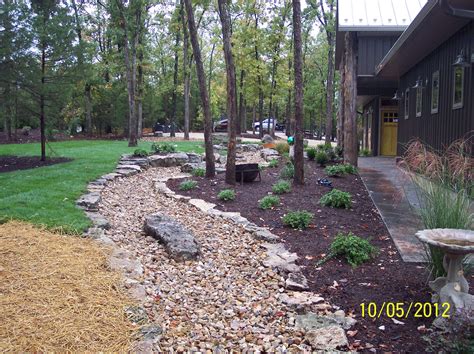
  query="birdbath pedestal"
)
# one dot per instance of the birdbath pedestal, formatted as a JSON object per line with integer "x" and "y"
{"x": 455, "y": 244}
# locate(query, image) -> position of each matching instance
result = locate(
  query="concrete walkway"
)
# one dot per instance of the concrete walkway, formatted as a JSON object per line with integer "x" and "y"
{"x": 395, "y": 197}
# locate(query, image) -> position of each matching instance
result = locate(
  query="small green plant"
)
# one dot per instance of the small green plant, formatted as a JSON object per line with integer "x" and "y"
{"x": 356, "y": 250}
{"x": 298, "y": 219}
{"x": 282, "y": 148}
{"x": 312, "y": 152}
{"x": 268, "y": 202}
{"x": 339, "y": 151}
{"x": 198, "y": 172}
{"x": 336, "y": 199}
{"x": 365, "y": 152}
{"x": 322, "y": 158}
{"x": 187, "y": 185}
{"x": 338, "y": 170}
{"x": 226, "y": 195}
{"x": 321, "y": 147}
{"x": 163, "y": 147}
{"x": 281, "y": 187}
{"x": 140, "y": 153}
{"x": 273, "y": 163}
{"x": 288, "y": 172}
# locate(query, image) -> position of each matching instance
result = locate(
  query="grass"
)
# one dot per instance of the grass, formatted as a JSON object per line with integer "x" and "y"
{"x": 47, "y": 195}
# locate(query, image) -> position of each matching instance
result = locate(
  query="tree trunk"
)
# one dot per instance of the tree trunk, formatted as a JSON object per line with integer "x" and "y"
{"x": 231, "y": 94}
{"x": 210, "y": 68}
{"x": 299, "y": 158}
{"x": 350, "y": 98}
{"x": 330, "y": 88}
{"x": 210, "y": 165}
{"x": 241, "y": 104}
{"x": 88, "y": 98}
{"x": 289, "y": 121}
{"x": 175, "y": 81}
{"x": 340, "y": 113}
{"x": 254, "y": 118}
{"x": 186, "y": 73}
{"x": 42, "y": 99}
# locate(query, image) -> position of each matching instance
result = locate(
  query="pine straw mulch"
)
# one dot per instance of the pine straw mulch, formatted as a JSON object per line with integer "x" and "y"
{"x": 57, "y": 294}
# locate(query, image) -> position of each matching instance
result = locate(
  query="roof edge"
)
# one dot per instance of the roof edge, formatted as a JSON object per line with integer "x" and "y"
{"x": 424, "y": 12}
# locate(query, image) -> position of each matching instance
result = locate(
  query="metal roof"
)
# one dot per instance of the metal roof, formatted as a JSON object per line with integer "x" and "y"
{"x": 377, "y": 15}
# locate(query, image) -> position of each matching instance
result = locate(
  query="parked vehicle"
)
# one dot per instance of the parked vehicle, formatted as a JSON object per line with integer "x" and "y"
{"x": 221, "y": 126}
{"x": 278, "y": 126}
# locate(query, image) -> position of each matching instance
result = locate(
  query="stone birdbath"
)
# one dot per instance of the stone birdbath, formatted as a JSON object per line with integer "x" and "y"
{"x": 456, "y": 244}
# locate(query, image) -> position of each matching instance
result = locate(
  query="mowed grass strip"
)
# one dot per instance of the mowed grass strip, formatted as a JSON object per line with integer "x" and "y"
{"x": 47, "y": 195}
{"x": 58, "y": 294}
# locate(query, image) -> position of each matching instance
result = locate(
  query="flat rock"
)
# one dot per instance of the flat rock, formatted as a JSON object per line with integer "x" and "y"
{"x": 327, "y": 338}
{"x": 98, "y": 220}
{"x": 312, "y": 321}
{"x": 344, "y": 321}
{"x": 125, "y": 172}
{"x": 279, "y": 258}
{"x": 169, "y": 160}
{"x": 201, "y": 204}
{"x": 121, "y": 260}
{"x": 269, "y": 154}
{"x": 265, "y": 235}
{"x": 190, "y": 166}
{"x": 110, "y": 176}
{"x": 300, "y": 299}
{"x": 296, "y": 281}
{"x": 194, "y": 158}
{"x": 129, "y": 167}
{"x": 179, "y": 242}
{"x": 89, "y": 201}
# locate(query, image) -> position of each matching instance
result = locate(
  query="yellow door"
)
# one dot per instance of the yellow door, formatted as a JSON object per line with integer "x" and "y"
{"x": 389, "y": 133}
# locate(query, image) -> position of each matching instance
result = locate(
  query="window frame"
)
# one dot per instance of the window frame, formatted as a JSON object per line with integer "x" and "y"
{"x": 435, "y": 74}
{"x": 461, "y": 103}
{"x": 419, "y": 94}
{"x": 407, "y": 103}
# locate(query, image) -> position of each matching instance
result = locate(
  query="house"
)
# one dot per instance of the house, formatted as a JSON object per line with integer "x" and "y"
{"x": 414, "y": 70}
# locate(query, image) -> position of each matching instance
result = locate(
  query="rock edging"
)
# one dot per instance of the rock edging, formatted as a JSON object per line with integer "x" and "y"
{"x": 278, "y": 257}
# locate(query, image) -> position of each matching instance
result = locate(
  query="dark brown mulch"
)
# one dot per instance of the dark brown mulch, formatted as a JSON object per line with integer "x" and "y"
{"x": 15, "y": 163}
{"x": 385, "y": 279}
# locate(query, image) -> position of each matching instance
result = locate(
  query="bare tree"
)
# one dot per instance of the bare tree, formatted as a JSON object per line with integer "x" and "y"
{"x": 231, "y": 92}
{"x": 210, "y": 165}
{"x": 298, "y": 66}
{"x": 350, "y": 97}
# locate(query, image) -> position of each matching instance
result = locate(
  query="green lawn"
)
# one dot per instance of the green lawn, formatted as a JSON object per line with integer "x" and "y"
{"x": 47, "y": 195}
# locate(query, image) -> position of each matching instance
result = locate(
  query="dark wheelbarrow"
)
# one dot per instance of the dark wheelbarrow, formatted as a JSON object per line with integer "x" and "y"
{"x": 247, "y": 172}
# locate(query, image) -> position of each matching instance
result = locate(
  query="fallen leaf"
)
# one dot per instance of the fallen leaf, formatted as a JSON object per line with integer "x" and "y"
{"x": 352, "y": 333}
{"x": 397, "y": 321}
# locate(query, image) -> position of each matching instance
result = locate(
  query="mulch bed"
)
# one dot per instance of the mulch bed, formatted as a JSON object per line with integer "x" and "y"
{"x": 15, "y": 163}
{"x": 385, "y": 279}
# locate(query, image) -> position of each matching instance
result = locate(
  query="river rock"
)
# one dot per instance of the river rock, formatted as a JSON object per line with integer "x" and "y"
{"x": 179, "y": 242}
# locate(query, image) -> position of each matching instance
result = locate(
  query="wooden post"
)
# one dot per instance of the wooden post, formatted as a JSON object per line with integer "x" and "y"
{"x": 350, "y": 99}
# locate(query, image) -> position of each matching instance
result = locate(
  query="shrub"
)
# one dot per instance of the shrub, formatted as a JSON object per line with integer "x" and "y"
{"x": 365, "y": 152}
{"x": 140, "y": 153}
{"x": 163, "y": 148}
{"x": 311, "y": 153}
{"x": 268, "y": 202}
{"x": 338, "y": 170}
{"x": 281, "y": 187}
{"x": 226, "y": 195}
{"x": 321, "y": 147}
{"x": 187, "y": 185}
{"x": 356, "y": 250}
{"x": 298, "y": 219}
{"x": 288, "y": 172}
{"x": 282, "y": 148}
{"x": 322, "y": 158}
{"x": 199, "y": 172}
{"x": 273, "y": 163}
{"x": 339, "y": 151}
{"x": 336, "y": 199}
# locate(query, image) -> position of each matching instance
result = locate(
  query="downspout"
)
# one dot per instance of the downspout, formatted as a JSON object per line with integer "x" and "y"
{"x": 448, "y": 9}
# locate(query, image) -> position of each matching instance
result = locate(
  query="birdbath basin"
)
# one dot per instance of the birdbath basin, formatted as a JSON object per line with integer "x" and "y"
{"x": 456, "y": 244}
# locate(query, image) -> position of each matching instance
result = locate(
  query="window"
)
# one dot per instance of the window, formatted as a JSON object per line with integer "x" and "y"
{"x": 419, "y": 101}
{"x": 458, "y": 89}
{"x": 435, "y": 92}
{"x": 407, "y": 103}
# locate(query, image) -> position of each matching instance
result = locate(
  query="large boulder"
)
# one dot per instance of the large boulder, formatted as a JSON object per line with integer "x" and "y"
{"x": 169, "y": 160}
{"x": 190, "y": 166}
{"x": 269, "y": 154}
{"x": 267, "y": 139}
{"x": 179, "y": 242}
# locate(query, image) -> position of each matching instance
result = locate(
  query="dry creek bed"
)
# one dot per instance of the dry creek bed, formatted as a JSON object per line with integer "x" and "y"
{"x": 226, "y": 299}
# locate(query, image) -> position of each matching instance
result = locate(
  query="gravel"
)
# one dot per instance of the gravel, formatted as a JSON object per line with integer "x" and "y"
{"x": 227, "y": 299}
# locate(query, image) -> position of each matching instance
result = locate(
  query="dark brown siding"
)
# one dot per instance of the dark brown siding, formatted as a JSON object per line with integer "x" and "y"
{"x": 442, "y": 128}
{"x": 372, "y": 49}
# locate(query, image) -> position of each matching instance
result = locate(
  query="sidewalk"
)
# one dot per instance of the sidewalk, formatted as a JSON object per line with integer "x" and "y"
{"x": 395, "y": 197}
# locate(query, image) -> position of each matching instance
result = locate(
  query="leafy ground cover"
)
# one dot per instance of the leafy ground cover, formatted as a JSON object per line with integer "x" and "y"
{"x": 47, "y": 195}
